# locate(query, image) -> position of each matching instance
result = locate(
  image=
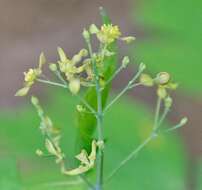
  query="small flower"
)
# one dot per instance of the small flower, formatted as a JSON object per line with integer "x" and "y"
{"x": 108, "y": 33}
{"x": 30, "y": 76}
{"x": 163, "y": 78}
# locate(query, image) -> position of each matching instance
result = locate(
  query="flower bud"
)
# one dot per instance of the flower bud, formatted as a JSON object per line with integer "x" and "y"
{"x": 183, "y": 121}
{"x": 39, "y": 152}
{"x": 83, "y": 52}
{"x": 163, "y": 78}
{"x": 168, "y": 102}
{"x": 62, "y": 54}
{"x": 86, "y": 35}
{"x": 80, "y": 108}
{"x": 142, "y": 67}
{"x": 34, "y": 100}
{"x": 42, "y": 60}
{"x": 22, "y": 91}
{"x": 93, "y": 29}
{"x": 125, "y": 61}
{"x": 53, "y": 67}
{"x": 161, "y": 92}
{"x": 146, "y": 80}
{"x": 74, "y": 86}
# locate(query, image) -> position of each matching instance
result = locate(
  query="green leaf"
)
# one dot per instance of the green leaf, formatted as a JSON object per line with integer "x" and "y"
{"x": 173, "y": 40}
{"x": 86, "y": 123}
{"x": 9, "y": 177}
{"x": 160, "y": 166}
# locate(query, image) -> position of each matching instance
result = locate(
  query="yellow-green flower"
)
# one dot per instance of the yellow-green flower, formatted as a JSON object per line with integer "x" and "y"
{"x": 30, "y": 76}
{"x": 108, "y": 33}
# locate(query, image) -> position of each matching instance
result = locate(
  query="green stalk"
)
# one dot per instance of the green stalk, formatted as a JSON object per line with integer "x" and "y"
{"x": 99, "y": 117}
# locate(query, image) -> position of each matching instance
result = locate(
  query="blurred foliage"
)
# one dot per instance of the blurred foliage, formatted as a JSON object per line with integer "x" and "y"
{"x": 160, "y": 166}
{"x": 172, "y": 39}
{"x": 199, "y": 175}
{"x": 9, "y": 178}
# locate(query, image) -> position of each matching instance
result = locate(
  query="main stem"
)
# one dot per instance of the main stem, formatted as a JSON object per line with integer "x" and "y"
{"x": 99, "y": 117}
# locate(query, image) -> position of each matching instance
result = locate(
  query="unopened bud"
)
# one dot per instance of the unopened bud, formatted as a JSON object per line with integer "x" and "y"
{"x": 93, "y": 29}
{"x": 168, "y": 102}
{"x": 161, "y": 92}
{"x": 86, "y": 35}
{"x": 125, "y": 61}
{"x": 142, "y": 66}
{"x": 183, "y": 121}
{"x": 34, "y": 100}
{"x": 146, "y": 80}
{"x": 53, "y": 67}
{"x": 74, "y": 86}
{"x": 80, "y": 108}
{"x": 39, "y": 152}
{"x": 163, "y": 78}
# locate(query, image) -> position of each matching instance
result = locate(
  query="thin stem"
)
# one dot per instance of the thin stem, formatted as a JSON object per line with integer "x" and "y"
{"x": 130, "y": 156}
{"x": 99, "y": 175}
{"x": 174, "y": 127}
{"x": 128, "y": 86}
{"x": 162, "y": 118}
{"x": 115, "y": 74}
{"x": 65, "y": 86}
{"x": 52, "y": 83}
{"x": 157, "y": 112}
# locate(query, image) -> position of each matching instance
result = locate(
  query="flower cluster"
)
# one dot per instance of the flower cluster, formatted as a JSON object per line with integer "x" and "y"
{"x": 30, "y": 76}
{"x": 163, "y": 82}
{"x": 77, "y": 71}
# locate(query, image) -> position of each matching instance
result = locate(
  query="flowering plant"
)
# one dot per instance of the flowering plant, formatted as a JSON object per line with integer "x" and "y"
{"x": 92, "y": 72}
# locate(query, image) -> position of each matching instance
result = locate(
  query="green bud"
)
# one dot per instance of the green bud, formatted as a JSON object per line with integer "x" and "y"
{"x": 39, "y": 152}
{"x": 142, "y": 67}
{"x": 74, "y": 86}
{"x": 93, "y": 29}
{"x": 34, "y": 100}
{"x": 83, "y": 52}
{"x": 80, "y": 108}
{"x": 53, "y": 67}
{"x": 163, "y": 78}
{"x": 42, "y": 60}
{"x": 168, "y": 102}
{"x": 183, "y": 121}
{"x": 161, "y": 92}
{"x": 22, "y": 91}
{"x": 86, "y": 35}
{"x": 62, "y": 54}
{"x": 125, "y": 61}
{"x": 146, "y": 80}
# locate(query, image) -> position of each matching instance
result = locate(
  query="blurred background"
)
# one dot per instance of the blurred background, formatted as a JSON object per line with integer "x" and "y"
{"x": 169, "y": 35}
